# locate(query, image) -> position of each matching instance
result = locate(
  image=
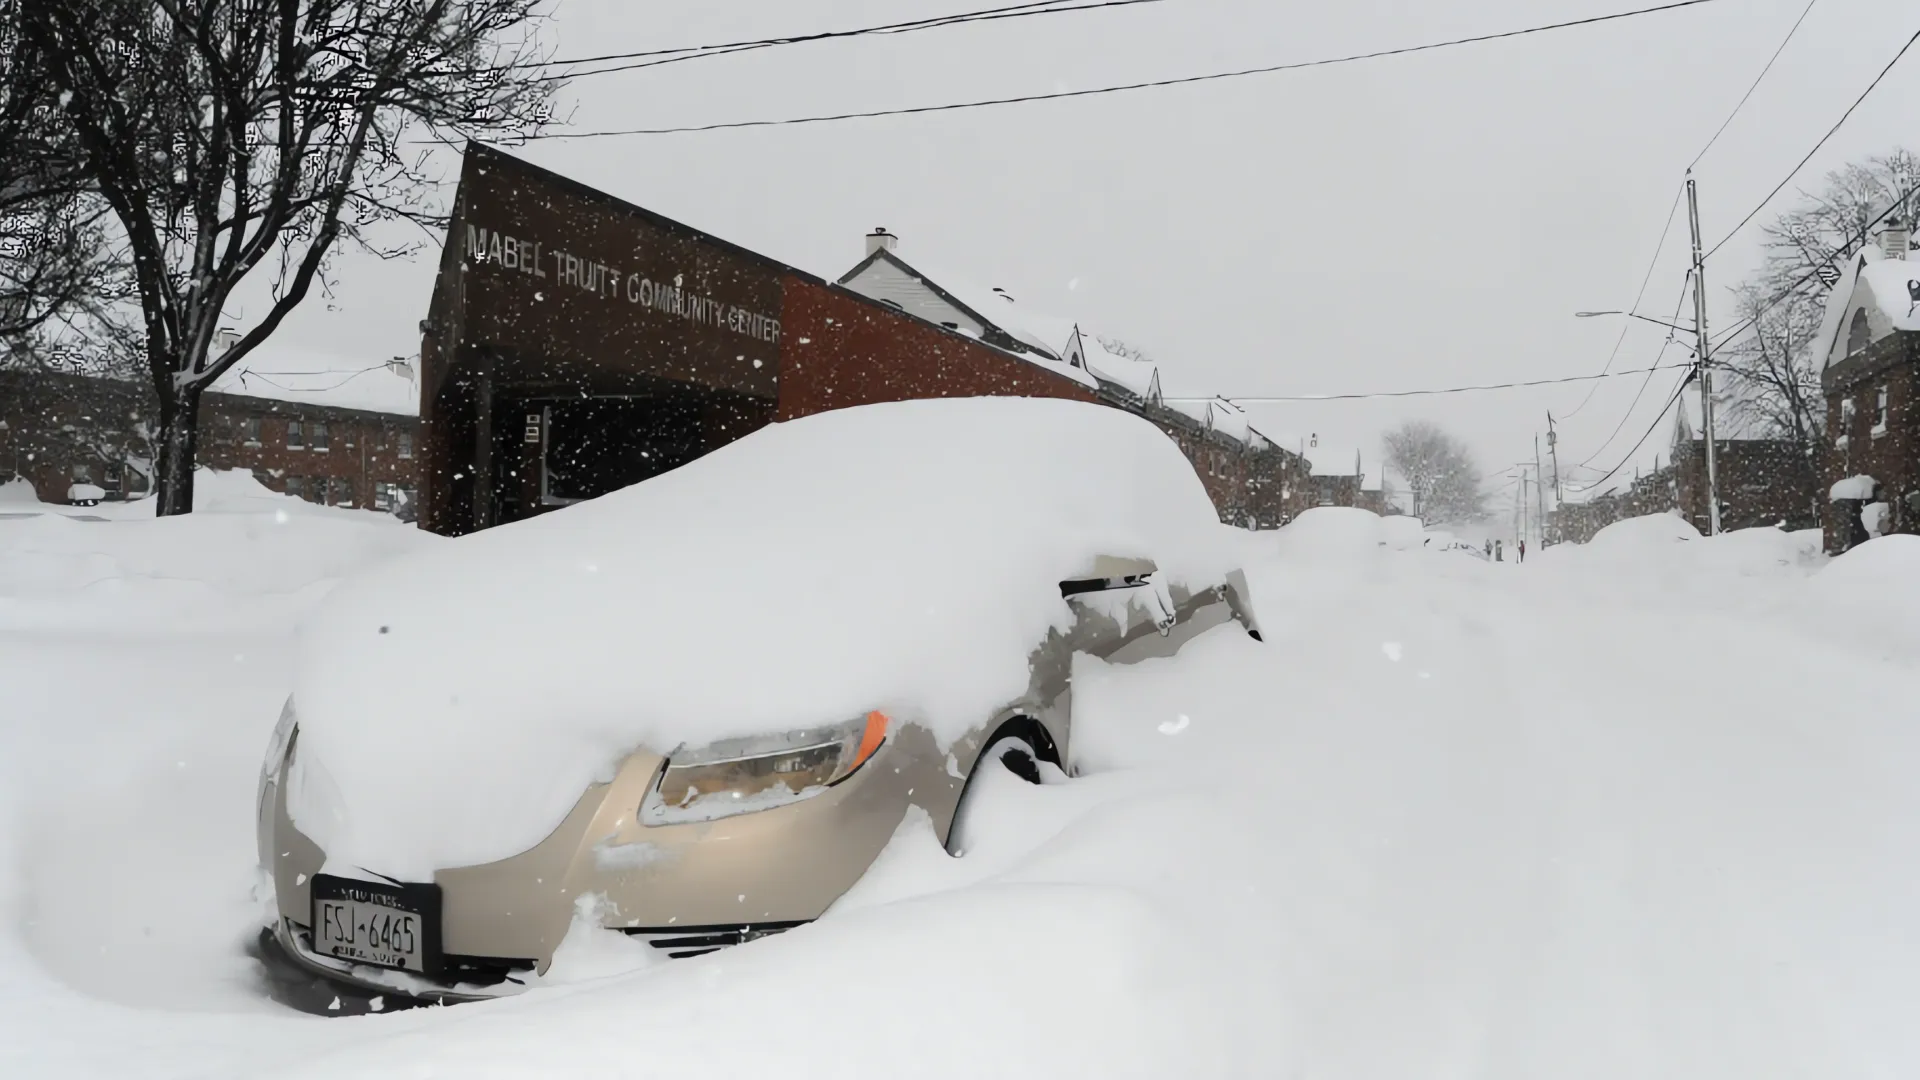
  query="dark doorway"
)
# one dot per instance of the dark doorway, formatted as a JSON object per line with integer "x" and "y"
{"x": 596, "y": 445}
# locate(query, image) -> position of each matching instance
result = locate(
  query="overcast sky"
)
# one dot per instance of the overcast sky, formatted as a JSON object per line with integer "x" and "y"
{"x": 1416, "y": 221}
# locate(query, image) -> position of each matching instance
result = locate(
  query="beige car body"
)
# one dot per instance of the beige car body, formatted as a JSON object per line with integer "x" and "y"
{"x": 693, "y": 887}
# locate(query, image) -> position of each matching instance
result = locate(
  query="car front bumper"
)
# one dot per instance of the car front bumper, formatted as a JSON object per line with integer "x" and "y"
{"x": 685, "y": 889}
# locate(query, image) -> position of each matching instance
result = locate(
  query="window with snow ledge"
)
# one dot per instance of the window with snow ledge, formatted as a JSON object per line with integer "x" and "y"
{"x": 295, "y": 441}
{"x": 318, "y": 435}
{"x": 1880, "y": 413}
{"x": 1845, "y": 425}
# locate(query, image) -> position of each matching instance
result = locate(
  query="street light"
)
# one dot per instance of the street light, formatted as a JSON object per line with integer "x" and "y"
{"x": 1634, "y": 315}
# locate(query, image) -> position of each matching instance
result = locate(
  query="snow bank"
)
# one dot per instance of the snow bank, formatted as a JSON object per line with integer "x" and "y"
{"x": 1869, "y": 599}
{"x": 1331, "y": 531}
{"x": 18, "y": 492}
{"x": 904, "y": 557}
{"x": 1640, "y": 534}
{"x": 1402, "y": 533}
{"x": 1853, "y": 487}
{"x": 244, "y": 543}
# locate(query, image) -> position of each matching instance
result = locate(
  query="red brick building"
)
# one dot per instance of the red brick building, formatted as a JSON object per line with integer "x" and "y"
{"x": 1871, "y": 378}
{"x": 1254, "y": 481}
{"x": 577, "y": 344}
{"x": 287, "y": 417}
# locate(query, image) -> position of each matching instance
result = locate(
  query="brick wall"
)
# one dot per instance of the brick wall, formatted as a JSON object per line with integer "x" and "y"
{"x": 63, "y": 429}
{"x": 1890, "y": 455}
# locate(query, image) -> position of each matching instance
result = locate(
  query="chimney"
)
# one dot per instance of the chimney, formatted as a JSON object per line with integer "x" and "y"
{"x": 881, "y": 240}
{"x": 1896, "y": 238}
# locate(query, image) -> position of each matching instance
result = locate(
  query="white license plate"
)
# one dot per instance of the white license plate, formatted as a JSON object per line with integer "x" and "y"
{"x": 370, "y": 924}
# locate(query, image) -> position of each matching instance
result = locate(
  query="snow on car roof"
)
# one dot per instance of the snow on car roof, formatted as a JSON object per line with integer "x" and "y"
{"x": 287, "y": 372}
{"x": 902, "y": 557}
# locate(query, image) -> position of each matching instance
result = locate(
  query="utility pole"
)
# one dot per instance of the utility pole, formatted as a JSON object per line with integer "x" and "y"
{"x": 1553, "y": 451}
{"x": 1702, "y": 361}
{"x": 1540, "y": 489}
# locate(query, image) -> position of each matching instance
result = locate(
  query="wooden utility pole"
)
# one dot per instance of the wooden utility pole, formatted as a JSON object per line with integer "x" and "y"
{"x": 1701, "y": 358}
{"x": 1553, "y": 451}
{"x": 1540, "y": 489}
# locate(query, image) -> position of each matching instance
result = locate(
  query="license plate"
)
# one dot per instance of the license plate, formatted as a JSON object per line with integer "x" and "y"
{"x": 394, "y": 926}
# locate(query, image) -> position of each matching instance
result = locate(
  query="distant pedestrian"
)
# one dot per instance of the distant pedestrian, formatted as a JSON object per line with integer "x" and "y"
{"x": 1489, "y": 549}
{"x": 1523, "y": 551}
{"x": 1499, "y": 551}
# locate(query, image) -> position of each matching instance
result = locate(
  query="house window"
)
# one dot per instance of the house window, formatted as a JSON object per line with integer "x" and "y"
{"x": 1880, "y": 413}
{"x": 317, "y": 435}
{"x": 1846, "y": 423}
{"x": 296, "y": 487}
{"x": 295, "y": 440}
{"x": 382, "y": 496}
{"x": 1857, "y": 332}
{"x": 342, "y": 491}
{"x": 406, "y": 444}
{"x": 250, "y": 431}
{"x": 83, "y": 474}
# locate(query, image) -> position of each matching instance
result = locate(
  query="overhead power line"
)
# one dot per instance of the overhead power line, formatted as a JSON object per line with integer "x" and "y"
{"x": 655, "y": 57}
{"x": 1685, "y": 380}
{"x": 1756, "y": 84}
{"x": 1785, "y": 180}
{"x": 1753, "y": 317}
{"x": 1258, "y": 400}
{"x": 1126, "y": 87}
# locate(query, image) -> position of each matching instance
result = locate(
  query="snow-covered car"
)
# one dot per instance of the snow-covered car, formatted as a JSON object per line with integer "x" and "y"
{"x": 694, "y": 711}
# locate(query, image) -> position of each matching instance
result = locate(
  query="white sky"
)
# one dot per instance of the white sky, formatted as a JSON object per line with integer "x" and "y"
{"x": 1416, "y": 221}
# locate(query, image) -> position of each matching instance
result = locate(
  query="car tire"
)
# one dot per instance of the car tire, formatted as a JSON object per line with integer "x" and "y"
{"x": 1012, "y": 753}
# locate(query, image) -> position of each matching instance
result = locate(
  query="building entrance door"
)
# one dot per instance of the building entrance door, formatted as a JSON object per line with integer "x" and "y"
{"x": 596, "y": 445}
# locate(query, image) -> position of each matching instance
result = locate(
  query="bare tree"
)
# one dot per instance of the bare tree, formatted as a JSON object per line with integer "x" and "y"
{"x": 54, "y": 253}
{"x": 231, "y": 135}
{"x": 1774, "y": 369}
{"x": 1118, "y": 347}
{"x": 1810, "y": 241}
{"x": 1439, "y": 472}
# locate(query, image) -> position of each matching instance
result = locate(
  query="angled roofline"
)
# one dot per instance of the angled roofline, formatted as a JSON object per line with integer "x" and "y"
{"x": 927, "y": 279}
{"x": 488, "y": 154}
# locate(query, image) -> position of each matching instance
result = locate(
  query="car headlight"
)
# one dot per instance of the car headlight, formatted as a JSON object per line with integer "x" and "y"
{"x": 738, "y": 776}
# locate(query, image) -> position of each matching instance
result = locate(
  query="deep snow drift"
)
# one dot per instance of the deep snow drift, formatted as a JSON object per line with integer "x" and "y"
{"x": 1639, "y": 808}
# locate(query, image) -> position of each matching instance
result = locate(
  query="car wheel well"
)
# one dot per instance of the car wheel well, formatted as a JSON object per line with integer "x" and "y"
{"x": 1030, "y": 731}
{"x": 1023, "y": 728}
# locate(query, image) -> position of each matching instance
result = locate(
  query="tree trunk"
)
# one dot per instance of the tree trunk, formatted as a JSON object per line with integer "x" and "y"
{"x": 179, "y": 439}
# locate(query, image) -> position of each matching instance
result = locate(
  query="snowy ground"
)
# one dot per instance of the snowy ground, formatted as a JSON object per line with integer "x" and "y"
{"x": 1641, "y": 808}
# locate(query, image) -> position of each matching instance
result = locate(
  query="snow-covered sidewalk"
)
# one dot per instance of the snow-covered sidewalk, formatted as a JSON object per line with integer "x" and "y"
{"x": 1639, "y": 808}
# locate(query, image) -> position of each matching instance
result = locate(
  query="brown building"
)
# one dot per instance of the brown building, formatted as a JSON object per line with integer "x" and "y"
{"x": 577, "y": 344}
{"x": 283, "y": 416}
{"x": 1870, "y": 341}
{"x": 1763, "y": 482}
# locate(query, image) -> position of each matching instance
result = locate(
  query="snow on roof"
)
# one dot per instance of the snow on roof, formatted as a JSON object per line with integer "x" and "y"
{"x": 1895, "y": 284}
{"x": 994, "y": 306}
{"x": 284, "y": 372}
{"x": 1141, "y": 377}
{"x": 806, "y": 555}
{"x": 1888, "y": 289}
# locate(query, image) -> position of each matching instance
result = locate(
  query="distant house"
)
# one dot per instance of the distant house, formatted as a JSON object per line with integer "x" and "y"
{"x": 1762, "y": 481}
{"x": 1870, "y": 340}
{"x": 328, "y": 429}
{"x": 1255, "y": 481}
